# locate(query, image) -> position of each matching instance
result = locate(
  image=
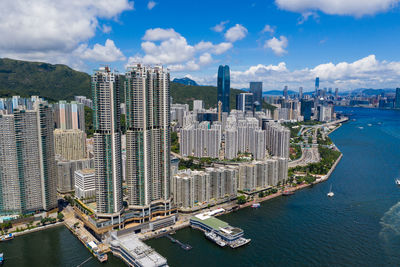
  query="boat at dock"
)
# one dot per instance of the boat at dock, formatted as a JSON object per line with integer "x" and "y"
{"x": 7, "y": 237}
{"x": 102, "y": 257}
{"x": 240, "y": 242}
{"x": 256, "y": 205}
{"x": 1, "y": 258}
{"x": 215, "y": 238}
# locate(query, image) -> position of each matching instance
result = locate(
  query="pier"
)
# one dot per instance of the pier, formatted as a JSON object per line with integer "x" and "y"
{"x": 183, "y": 245}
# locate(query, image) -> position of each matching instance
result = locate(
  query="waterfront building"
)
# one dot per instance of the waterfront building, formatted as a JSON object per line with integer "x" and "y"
{"x": 27, "y": 160}
{"x": 192, "y": 189}
{"x": 85, "y": 184}
{"x": 224, "y": 87}
{"x": 107, "y": 142}
{"x": 244, "y": 102}
{"x": 69, "y": 115}
{"x": 256, "y": 90}
{"x": 148, "y": 140}
{"x": 277, "y": 139}
{"x": 70, "y": 144}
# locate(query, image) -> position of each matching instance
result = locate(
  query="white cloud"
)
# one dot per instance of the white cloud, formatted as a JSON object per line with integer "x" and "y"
{"x": 159, "y": 34}
{"x": 306, "y": 15}
{"x": 220, "y": 27}
{"x": 367, "y": 72}
{"x": 166, "y": 46}
{"x": 107, "y": 53}
{"x": 235, "y": 33}
{"x": 151, "y": 5}
{"x": 205, "y": 59}
{"x": 49, "y": 30}
{"x": 357, "y": 8}
{"x": 277, "y": 45}
{"x": 106, "y": 28}
{"x": 269, "y": 29}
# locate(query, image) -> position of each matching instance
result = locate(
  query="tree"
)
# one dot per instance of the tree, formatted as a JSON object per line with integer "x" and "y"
{"x": 60, "y": 216}
{"x": 241, "y": 200}
{"x": 261, "y": 194}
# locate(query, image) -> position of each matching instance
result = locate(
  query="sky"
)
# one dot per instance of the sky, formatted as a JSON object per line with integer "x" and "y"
{"x": 349, "y": 44}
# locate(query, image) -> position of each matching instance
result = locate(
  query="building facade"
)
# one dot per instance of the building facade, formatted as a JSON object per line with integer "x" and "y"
{"x": 148, "y": 139}
{"x": 224, "y": 87}
{"x": 107, "y": 142}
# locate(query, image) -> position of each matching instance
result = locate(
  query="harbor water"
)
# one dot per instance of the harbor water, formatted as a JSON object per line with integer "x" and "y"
{"x": 359, "y": 226}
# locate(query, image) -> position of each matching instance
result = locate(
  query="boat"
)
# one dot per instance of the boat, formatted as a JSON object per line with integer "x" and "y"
{"x": 215, "y": 238}
{"x": 330, "y": 193}
{"x": 240, "y": 242}
{"x": 256, "y": 205}
{"x": 369, "y": 124}
{"x": 102, "y": 257}
{"x": 1, "y": 258}
{"x": 360, "y": 127}
{"x": 7, "y": 237}
{"x": 287, "y": 193}
{"x": 397, "y": 181}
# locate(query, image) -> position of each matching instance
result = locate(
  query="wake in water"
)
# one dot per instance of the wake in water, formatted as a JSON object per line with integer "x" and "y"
{"x": 390, "y": 232}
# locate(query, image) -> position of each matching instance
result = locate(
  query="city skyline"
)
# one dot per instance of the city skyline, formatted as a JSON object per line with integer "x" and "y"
{"x": 296, "y": 42}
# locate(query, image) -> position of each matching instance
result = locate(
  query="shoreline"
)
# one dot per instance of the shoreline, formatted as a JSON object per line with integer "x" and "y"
{"x": 184, "y": 224}
{"x": 37, "y": 229}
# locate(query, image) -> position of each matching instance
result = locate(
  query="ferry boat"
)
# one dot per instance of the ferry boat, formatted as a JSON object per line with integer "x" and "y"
{"x": 256, "y": 205}
{"x": 7, "y": 237}
{"x": 1, "y": 258}
{"x": 287, "y": 193}
{"x": 102, "y": 257}
{"x": 213, "y": 237}
{"x": 397, "y": 181}
{"x": 240, "y": 242}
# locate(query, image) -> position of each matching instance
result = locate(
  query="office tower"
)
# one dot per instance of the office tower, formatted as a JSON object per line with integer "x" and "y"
{"x": 397, "y": 99}
{"x": 300, "y": 92}
{"x": 107, "y": 142}
{"x": 198, "y": 105}
{"x": 285, "y": 92}
{"x": 224, "y": 87}
{"x": 85, "y": 184}
{"x": 70, "y": 144}
{"x": 336, "y": 92}
{"x": 69, "y": 115}
{"x": 244, "y": 102}
{"x": 219, "y": 111}
{"x": 277, "y": 139}
{"x": 148, "y": 139}
{"x": 256, "y": 90}
{"x": 27, "y": 164}
{"x": 306, "y": 109}
{"x": 316, "y": 84}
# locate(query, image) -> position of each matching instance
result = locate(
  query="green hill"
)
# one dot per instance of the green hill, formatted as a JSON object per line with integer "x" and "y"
{"x": 60, "y": 82}
{"x": 54, "y": 82}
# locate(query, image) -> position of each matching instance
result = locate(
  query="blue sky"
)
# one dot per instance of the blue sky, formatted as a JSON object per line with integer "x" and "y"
{"x": 348, "y": 43}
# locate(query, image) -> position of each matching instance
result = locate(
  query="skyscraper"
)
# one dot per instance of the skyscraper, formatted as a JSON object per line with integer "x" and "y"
{"x": 244, "y": 102}
{"x": 316, "y": 85}
{"x": 148, "y": 139}
{"x": 224, "y": 87}
{"x": 27, "y": 161}
{"x": 285, "y": 92}
{"x": 300, "y": 92}
{"x": 397, "y": 100}
{"x": 256, "y": 89}
{"x": 107, "y": 142}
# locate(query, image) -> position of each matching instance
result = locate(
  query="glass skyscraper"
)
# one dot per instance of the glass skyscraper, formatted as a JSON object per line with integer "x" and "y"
{"x": 256, "y": 89}
{"x": 224, "y": 87}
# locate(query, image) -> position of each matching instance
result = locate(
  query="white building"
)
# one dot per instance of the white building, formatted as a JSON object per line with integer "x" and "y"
{"x": 85, "y": 184}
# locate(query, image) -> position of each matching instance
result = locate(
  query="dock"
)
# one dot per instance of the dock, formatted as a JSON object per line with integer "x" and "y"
{"x": 183, "y": 245}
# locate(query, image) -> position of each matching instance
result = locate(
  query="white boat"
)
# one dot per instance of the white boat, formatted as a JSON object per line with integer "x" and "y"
{"x": 361, "y": 127}
{"x": 369, "y": 124}
{"x": 397, "y": 181}
{"x": 330, "y": 193}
